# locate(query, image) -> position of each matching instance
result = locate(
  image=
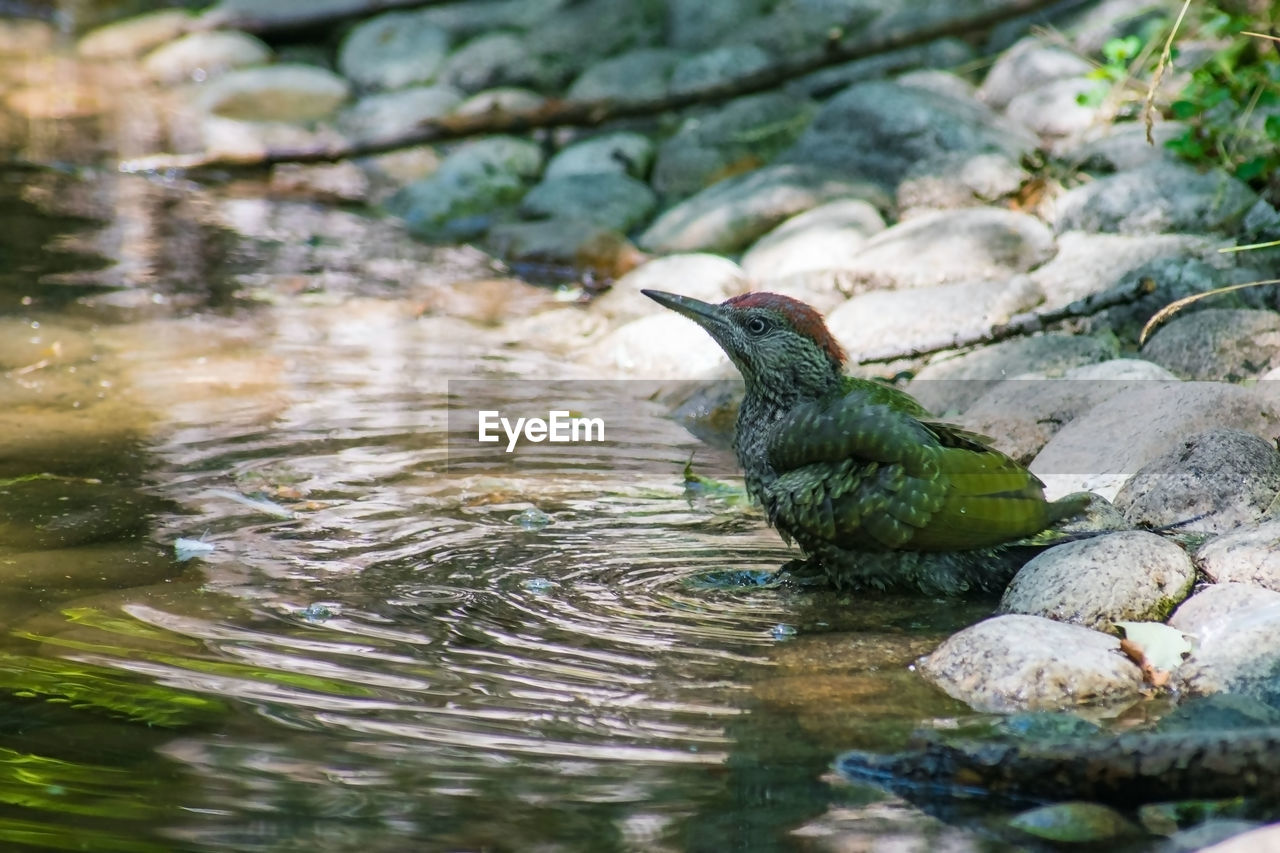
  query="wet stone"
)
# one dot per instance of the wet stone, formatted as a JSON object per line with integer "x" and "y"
{"x": 388, "y": 115}
{"x": 134, "y": 36}
{"x": 614, "y": 201}
{"x": 618, "y": 152}
{"x": 1127, "y": 576}
{"x": 1029, "y": 663}
{"x": 200, "y": 56}
{"x": 637, "y": 75}
{"x": 279, "y": 93}
{"x": 494, "y": 59}
{"x": 1218, "y": 604}
{"x": 1238, "y": 652}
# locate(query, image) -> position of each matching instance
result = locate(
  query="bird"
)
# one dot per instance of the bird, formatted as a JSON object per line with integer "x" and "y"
{"x": 877, "y": 492}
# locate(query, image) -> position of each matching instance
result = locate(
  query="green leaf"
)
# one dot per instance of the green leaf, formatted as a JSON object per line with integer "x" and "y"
{"x": 1182, "y": 110}
{"x": 1250, "y": 169}
{"x": 1272, "y": 128}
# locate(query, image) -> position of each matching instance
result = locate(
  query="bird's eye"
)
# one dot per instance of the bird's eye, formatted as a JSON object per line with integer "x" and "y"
{"x": 757, "y": 326}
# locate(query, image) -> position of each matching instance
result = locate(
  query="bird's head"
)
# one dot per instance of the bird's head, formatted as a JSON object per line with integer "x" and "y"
{"x": 780, "y": 345}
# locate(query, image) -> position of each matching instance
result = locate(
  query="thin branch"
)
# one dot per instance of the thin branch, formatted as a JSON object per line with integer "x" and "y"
{"x": 1021, "y": 325}
{"x": 1177, "y": 305}
{"x": 558, "y": 113}
{"x": 1166, "y": 57}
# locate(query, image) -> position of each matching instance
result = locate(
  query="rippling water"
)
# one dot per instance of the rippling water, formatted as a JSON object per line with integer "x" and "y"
{"x": 394, "y": 644}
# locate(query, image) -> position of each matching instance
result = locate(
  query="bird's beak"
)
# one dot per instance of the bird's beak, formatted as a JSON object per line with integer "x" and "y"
{"x": 705, "y": 314}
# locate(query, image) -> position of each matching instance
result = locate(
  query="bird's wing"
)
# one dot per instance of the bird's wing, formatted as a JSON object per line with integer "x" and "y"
{"x": 865, "y": 476}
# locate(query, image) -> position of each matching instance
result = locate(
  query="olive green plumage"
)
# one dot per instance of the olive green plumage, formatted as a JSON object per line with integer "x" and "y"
{"x": 858, "y": 473}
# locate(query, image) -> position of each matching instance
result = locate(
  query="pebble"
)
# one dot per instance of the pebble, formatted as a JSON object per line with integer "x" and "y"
{"x": 1250, "y": 554}
{"x": 393, "y": 50}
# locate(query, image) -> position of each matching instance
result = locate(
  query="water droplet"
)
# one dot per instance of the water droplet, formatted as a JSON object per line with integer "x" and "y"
{"x": 315, "y": 613}
{"x": 539, "y": 585}
{"x": 782, "y": 631}
{"x": 532, "y": 518}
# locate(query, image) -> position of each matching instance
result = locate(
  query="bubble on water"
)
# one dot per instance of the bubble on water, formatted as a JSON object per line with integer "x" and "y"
{"x": 316, "y": 613}
{"x": 539, "y": 585}
{"x": 782, "y": 631}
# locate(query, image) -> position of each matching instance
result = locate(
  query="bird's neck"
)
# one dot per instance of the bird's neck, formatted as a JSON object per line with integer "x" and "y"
{"x": 763, "y": 405}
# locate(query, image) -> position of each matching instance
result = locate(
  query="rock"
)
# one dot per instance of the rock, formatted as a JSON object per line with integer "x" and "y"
{"x": 1028, "y": 663}
{"x": 728, "y": 215}
{"x": 717, "y": 66}
{"x": 657, "y": 347}
{"x": 1237, "y": 652}
{"x": 388, "y": 115}
{"x": 940, "y": 53}
{"x": 1101, "y": 449}
{"x": 577, "y": 34}
{"x": 1127, "y": 576}
{"x": 493, "y": 59}
{"x": 697, "y": 24}
{"x": 878, "y": 130}
{"x": 134, "y": 36}
{"x": 469, "y": 190}
{"x": 1225, "y": 835}
{"x": 249, "y": 140}
{"x": 327, "y": 182}
{"x": 621, "y": 152}
{"x": 881, "y": 323}
{"x": 1214, "y": 481}
{"x": 1054, "y": 110}
{"x": 741, "y": 135}
{"x": 200, "y": 56}
{"x": 1248, "y": 555}
{"x": 707, "y": 277}
{"x": 577, "y": 243}
{"x": 1025, "y": 413}
{"x": 825, "y": 237}
{"x": 1075, "y": 822}
{"x": 1086, "y": 264}
{"x": 636, "y": 75}
{"x": 26, "y": 37}
{"x": 962, "y": 179}
{"x": 1025, "y": 66}
{"x": 274, "y": 93}
{"x": 1217, "y": 343}
{"x": 1218, "y": 604}
{"x": 505, "y": 99}
{"x": 1118, "y": 147}
{"x": 613, "y": 200}
{"x": 1050, "y": 355}
{"x": 463, "y": 20}
{"x": 393, "y": 50}
{"x": 1157, "y": 197}
{"x": 950, "y": 246}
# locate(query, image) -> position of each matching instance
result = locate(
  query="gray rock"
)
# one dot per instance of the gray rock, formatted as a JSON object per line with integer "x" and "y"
{"x": 492, "y": 60}
{"x": 1118, "y": 147}
{"x": 1053, "y": 110}
{"x": 504, "y": 99}
{"x": 942, "y": 53}
{"x": 661, "y": 346}
{"x": 464, "y": 20}
{"x": 280, "y": 93}
{"x": 1026, "y": 413}
{"x": 825, "y": 237}
{"x": 201, "y": 56}
{"x": 572, "y": 242}
{"x": 1217, "y": 343}
{"x": 1215, "y": 481}
{"x": 1103, "y": 448}
{"x": 1092, "y": 263}
{"x": 1218, "y": 604}
{"x": 701, "y": 24}
{"x": 714, "y": 144}
{"x": 1249, "y": 555}
{"x": 388, "y": 115}
{"x": 1161, "y": 196}
{"x": 636, "y": 75}
{"x": 881, "y": 323}
{"x": 621, "y": 152}
{"x": 1238, "y": 652}
{"x": 393, "y": 50}
{"x": 716, "y": 66}
{"x": 1028, "y": 663}
{"x": 951, "y": 246}
{"x": 800, "y": 28}
{"x": 134, "y": 36}
{"x": 962, "y": 179}
{"x": 1131, "y": 575}
{"x": 1025, "y": 66}
{"x": 878, "y": 131}
{"x": 613, "y": 200}
{"x": 576, "y": 35}
{"x": 953, "y": 384}
{"x": 469, "y": 190}
{"x": 728, "y": 215}
{"x": 248, "y": 140}
{"x": 707, "y": 277}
